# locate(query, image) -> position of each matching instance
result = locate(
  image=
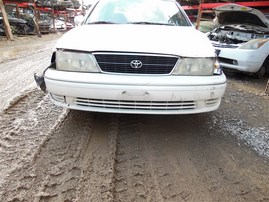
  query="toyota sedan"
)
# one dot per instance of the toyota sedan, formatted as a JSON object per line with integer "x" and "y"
{"x": 135, "y": 56}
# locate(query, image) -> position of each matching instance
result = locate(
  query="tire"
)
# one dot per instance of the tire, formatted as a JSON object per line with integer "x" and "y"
{"x": 261, "y": 73}
{"x": 13, "y": 29}
{"x": 264, "y": 69}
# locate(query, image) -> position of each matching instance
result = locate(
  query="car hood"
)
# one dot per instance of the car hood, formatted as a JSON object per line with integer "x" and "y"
{"x": 236, "y": 25}
{"x": 173, "y": 40}
{"x": 236, "y": 14}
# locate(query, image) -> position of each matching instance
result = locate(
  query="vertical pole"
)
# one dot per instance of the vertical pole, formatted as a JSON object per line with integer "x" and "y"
{"x": 17, "y": 11}
{"x": 53, "y": 17}
{"x": 8, "y": 31}
{"x": 36, "y": 20}
{"x": 82, "y": 8}
{"x": 199, "y": 16}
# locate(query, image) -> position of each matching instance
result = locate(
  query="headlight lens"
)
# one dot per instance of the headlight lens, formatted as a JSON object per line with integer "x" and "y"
{"x": 77, "y": 62}
{"x": 196, "y": 67}
{"x": 254, "y": 44}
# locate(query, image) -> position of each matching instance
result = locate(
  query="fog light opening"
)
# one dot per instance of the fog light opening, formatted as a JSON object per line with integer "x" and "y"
{"x": 235, "y": 62}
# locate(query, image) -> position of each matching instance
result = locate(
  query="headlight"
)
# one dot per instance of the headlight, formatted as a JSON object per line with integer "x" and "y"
{"x": 74, "y": 61}
{"x": 254, "y": 44}
{"x": 196, "y": 67}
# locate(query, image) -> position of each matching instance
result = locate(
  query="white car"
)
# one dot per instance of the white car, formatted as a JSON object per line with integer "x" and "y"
{"x": 59, "y": 25}
{"x": 241, "y": 39}
{"x": 135, "y": 56}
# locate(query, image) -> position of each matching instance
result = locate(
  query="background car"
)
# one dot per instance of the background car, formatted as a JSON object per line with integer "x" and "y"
{"x": 44, "y": 26}
{"x": 59, "y": 24}
{"x": 2, "y": 31}
{"x": 137, "y": 57}
{"x": 69, "y": 26}
{"x": 18, "y": 26}
{"x": 241, "y": 39}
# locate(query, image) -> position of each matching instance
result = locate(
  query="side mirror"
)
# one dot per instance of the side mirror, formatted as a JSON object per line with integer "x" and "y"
{"x": 78, "y": 20}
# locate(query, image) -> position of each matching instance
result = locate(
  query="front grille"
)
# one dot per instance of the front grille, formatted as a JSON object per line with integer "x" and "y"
{"x": 136, "y": 105}
{"x": 121, "y": 63}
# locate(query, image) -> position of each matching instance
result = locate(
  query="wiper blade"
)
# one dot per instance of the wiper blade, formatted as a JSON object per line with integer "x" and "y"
{"x": 151, "y": 23}
{"x": 101, "y": 22}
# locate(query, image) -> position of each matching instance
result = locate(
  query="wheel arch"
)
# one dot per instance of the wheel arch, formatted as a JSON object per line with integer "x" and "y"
{"x": 266, "y": 64}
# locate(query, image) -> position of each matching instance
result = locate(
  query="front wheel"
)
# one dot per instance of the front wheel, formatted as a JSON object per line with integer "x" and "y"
{"x": 261, "y": 73}
{"x": 264, "y": 69}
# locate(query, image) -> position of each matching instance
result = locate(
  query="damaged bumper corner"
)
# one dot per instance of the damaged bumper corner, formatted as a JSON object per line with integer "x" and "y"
{"x": 40, "y": 80}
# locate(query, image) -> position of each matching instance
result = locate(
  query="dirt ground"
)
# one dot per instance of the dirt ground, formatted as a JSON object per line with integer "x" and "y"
{"x": 49, "y": 154}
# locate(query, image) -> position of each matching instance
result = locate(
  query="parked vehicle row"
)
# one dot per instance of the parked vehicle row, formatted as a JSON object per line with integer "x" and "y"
{"x": 240, "y": 35}
{"x": 24, "y": 24}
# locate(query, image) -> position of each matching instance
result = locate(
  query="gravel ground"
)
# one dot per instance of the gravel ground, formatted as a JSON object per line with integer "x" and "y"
{"x": 244, "y": 113}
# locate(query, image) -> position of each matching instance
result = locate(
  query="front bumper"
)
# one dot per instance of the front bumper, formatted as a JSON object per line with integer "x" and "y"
{"x": 135, "y": 94}
{"x": 249, "y": 61}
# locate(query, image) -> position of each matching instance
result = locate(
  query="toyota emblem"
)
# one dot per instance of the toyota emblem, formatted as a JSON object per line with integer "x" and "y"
{"x": 136, "y": 64}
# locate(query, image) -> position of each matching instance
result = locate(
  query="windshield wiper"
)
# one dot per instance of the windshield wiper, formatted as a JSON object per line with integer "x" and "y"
{"x": 151, "y": 23}
{"x": 101, "y": 22}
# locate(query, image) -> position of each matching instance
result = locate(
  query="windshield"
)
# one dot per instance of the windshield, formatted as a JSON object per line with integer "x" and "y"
{"x": 138, "y": 12}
